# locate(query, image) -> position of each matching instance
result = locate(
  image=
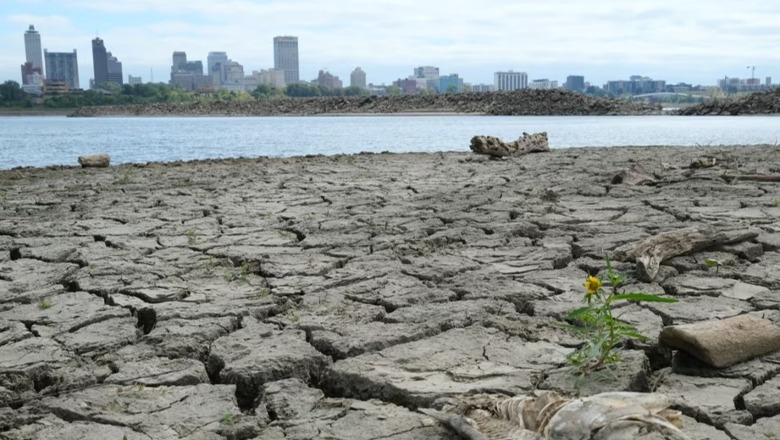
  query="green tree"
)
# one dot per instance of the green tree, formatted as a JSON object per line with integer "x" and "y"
{"x": 452, "y": 88}
{"x": 355, "y": 91}
{"x": 393, "y": 90}
{"x": 11, "y": 92}
{"x": 300, "y": 90}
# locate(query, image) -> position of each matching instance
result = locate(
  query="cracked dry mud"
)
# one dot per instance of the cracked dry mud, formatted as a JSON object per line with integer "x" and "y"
{"x": 329, "y": 297}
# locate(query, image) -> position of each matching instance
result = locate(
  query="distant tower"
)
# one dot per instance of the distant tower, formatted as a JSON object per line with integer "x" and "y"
{"x": 100, "y": 62}
{"x": 32, "y": 48}
{"x": 357, "y": 78}
{"x": 286, "y": 58}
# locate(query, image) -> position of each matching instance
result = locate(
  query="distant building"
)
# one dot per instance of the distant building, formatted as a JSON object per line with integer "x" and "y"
{"x": 408, "y": 86}
{"x": 482, "y": 88}
{"x": 133, "y": 80}
{"x": 769, "y": 81}
{"x": 326, "y": 79}
{"x": 286, "y": 58}
{"x": 114, "y": 68}
{"x": 271, "y": 77}
{"x": 62, "y": 67}
{"x": 543, "y": 84}
{"x": 451, "y": 82}
{"x": 510, "y": 80}
{"x": 31, "y": 75}
{"x": 357, "y": 78}
{"x": 575, "y": 83}
{"x": 215, "y": 63}
{"x": 107, "y": 67}
{"x": 189, "y": 74}
{"x": 636, "y": 85}
{"x": 32, "y": 49}
{"x": 179, "y": 59}
{"x": 427, "y": 77}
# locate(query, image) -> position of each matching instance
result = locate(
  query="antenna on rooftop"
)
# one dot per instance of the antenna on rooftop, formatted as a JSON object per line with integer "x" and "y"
{"x": 753, "y": 71}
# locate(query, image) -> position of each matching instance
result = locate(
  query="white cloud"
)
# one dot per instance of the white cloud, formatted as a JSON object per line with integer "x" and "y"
{"x": 677, "y": 39}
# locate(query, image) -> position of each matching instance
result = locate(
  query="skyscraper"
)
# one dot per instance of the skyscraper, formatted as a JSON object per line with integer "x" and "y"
{"x": 62, "y": 66}
{"x": 32, "y": 48}
{"x": 179, "y": 59}
{"x": 100, "y": 62}
{"x": 216, "y": 62}
{"x": 106, "y": 66}
{"x": 286, "y": 58}
{"x": 357, "y": 78}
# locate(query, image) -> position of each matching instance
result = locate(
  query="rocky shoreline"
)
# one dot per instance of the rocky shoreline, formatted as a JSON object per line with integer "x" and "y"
{"x": 521, "y": 102}
{"x": 761, "y": 103}
{"x": 332, "y": 296}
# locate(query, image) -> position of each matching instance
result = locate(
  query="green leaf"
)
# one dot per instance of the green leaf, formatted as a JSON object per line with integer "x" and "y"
{"x": 642, "y": 297}
{"x": 711, "y": 263}
{"x": 577, "y": 313}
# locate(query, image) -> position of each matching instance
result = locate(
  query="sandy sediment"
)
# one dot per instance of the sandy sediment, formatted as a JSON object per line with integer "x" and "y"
{"x": 331, "y": 296}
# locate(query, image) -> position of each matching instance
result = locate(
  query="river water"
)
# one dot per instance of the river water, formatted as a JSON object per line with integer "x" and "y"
{"x": 56, "y": 140}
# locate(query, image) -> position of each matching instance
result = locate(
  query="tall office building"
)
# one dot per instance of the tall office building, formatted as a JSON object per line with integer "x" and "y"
{"x": 286, "y": 58}
{"x": 510, "y": 80}
{"x": 216, "y": 63}
{"x": 107, "y": 67}
{"x": 357, "y": 78}
{"x": 114, "y": 69}
{"x": 179, "y": 59}
{"x": 62, "y": 66}
{"x": 32, "y": 48}
{"x": 99, "y": 62}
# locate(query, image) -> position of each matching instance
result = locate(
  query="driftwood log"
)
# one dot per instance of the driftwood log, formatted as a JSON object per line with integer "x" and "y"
{"x": 636, "y": 175}
{"x": 95, "y": 161}
{"x": 651, "y": 252}
{"x": 493, "y": 146}
{"x": 753, "y": 177}
{"x": 725, "y": 342}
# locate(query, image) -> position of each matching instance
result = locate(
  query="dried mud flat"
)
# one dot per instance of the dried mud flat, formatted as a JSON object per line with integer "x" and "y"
{"x": 329, "y": 297}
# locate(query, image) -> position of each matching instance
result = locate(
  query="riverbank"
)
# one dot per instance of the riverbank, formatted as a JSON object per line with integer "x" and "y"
{"x": 36, "y": 111}
{"x": 282, "y": 298}
{"x": 520, "y": 102}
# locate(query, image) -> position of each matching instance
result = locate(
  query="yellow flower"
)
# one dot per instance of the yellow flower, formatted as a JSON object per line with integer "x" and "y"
{"x": 593, "y": 285}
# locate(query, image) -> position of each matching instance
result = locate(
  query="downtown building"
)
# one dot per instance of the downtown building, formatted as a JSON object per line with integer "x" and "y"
{"x": 189, "y": 74}
{"x": 62, "y": 70}
{"x": 32, "y": 69}
{"x": 510, "y": 80}
{"x": 575, "y": 83}
{"x": 357, "y": 78}
{"x": 328, "y": 80}
{"x": 106, "y": 67}
{"x": 286, "y": 58}
{"x": 216, "y": 63}
{"x": 543, "y": 84}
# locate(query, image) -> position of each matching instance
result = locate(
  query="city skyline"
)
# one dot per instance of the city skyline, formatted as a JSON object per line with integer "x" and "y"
{"x": 698, "y": 42}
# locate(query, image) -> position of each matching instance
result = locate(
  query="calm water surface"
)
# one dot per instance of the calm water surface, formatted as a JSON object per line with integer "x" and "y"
{"x": 41, "y": 141}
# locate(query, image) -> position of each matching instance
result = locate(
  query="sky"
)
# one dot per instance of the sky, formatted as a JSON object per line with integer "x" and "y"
{"x": 693, "y": 41}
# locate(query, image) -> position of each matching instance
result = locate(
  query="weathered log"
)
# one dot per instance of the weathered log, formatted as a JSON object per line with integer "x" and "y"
{"x": 725, "y": 342}
{"x": 636, "y": 175}
{"x": 493, "y": 146}
{"x": 651, "y": 252}
{"x": 753, "y": 177}
{"x": 95, "y": 161}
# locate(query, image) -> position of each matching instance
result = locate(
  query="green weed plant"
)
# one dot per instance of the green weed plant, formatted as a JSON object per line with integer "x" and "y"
{"x": 596, "y": 323}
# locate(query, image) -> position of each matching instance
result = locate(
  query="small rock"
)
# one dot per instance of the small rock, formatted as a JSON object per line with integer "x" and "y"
{"x": 725, "y": 342}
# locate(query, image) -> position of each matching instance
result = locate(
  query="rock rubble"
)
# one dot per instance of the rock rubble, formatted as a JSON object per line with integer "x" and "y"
{"x": 759, "y": 103}
{"x": 520, "y": 102}
{"x": 332, "y": 296}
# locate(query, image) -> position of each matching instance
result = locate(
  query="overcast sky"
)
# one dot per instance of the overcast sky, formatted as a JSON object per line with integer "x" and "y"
{"x": 695, "y": 41}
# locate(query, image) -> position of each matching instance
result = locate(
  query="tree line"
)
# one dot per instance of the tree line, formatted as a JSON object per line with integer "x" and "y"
{"x": 12, "y": 95}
